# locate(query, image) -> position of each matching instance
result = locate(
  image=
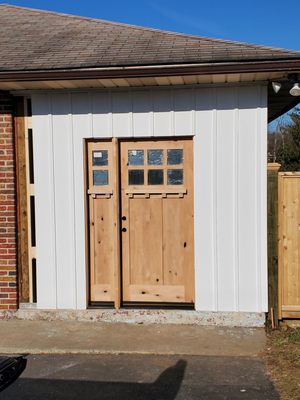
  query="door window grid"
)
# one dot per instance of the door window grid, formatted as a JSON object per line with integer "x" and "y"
{"x": 100, "y": 164}
{"x": 147, "y": 167}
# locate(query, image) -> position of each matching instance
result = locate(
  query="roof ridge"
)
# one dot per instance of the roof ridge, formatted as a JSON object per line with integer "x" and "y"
{"x": 138, "y": 27}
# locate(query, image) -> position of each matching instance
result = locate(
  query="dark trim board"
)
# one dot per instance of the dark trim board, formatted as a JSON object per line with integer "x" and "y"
{"x": 160, "y": 306}
{"x": 137, "y": 305}
{"x": 153, "y": 70}
{"x": 101, "y": 304}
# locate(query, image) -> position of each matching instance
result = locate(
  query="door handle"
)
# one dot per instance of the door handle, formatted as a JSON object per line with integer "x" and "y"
{"x": 124, "y": 230}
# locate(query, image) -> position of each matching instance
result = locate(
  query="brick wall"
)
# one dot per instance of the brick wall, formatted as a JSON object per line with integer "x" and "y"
{"x": 8, "y": 249}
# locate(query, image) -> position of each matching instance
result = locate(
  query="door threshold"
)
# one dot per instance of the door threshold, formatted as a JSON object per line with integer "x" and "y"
{"x": 101, "y": 304}
{"x": 160, "y": 306}
{"x": 140, "y": 305}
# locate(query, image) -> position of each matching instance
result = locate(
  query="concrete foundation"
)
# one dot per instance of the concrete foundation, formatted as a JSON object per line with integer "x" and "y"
{"x": 142, "y": 316}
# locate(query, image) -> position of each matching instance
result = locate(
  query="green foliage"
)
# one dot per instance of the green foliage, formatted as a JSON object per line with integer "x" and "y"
{"x": 284, "y": 144}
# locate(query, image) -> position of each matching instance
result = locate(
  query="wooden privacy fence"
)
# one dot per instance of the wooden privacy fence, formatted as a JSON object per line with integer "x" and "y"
{"x": 289, "y": 244}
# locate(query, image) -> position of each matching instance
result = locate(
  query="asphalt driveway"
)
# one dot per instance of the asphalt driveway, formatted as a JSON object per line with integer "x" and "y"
{"x": 131, "y": 376}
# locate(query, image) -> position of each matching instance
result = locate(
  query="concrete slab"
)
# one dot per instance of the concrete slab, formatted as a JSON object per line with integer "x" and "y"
{"x": 145, "y": 316}
{"x": 59, "y": 337}
{"x": 136, "y": 377}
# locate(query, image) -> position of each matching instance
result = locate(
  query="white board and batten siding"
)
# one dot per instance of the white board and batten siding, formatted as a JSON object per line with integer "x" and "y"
{"x": 230, "y": 129}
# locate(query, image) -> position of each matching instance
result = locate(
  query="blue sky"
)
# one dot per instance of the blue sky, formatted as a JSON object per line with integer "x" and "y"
{"x": 255, "y": 21}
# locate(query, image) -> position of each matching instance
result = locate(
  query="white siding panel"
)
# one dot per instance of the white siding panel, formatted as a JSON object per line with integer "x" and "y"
{"x": 225, "y": 192}
{"x": 163, "y": 113}
{"x": 44, "y": 202}
{"x": 122, "y": 114}
{"x": 184, "y": 104}
{"x": 204, "y": 201}
{"x": 229, "y": 174}
{"x": 142, "y": 109}
{"x": 101, "y": 112}
{"x": 64, "y": 200}
{"x": 82, "y": 129}
{"x": 247, "y": 199}
{"x": 262, "y": 198}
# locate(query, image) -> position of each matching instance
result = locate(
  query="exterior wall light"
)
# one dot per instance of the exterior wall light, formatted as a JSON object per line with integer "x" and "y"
{"x": 295, "y": 91}
{"x": 276, "y": 86}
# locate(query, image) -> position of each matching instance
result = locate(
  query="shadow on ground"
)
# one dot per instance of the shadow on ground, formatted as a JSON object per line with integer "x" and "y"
{"x": 141, "y": 377}
{"x": 165, "y": 387}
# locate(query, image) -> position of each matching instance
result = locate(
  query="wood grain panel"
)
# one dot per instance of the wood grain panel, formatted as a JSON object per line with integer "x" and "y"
{"x": 102, "y": 247}
{"x": 23, "y": 256}
{"x": 155, "y": 293}
{"x": 289, "y": 244}
{"x": 145, "y": 232}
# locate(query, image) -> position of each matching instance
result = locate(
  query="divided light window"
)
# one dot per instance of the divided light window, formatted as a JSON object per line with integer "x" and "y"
{"x": 155, "y": 167}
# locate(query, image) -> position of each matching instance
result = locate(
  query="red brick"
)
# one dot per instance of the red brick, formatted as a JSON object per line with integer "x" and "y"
{"x": 8, "y": 250}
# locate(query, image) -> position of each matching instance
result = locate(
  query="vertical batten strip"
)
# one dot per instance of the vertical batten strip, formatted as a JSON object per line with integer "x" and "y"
{"x": 258, "y": 202}
{"x": 172, "y": 113}
{"x": 90, "y": 115}
{"x": 263, "y": 198}
{"x": 225, "y": 198}
{"x": 110, "y": 115}
{"x": 45, "y": 207}
{"x": 130, "y": 114}
{"x": 215, "y": 202}
{"x": 236, "y": 201}
{"x": 53, "y": 195}
{"x": 82, "y": 128}
{"x": 193, "y": 112}
{"x": 63, "y": 167}
{"x": 247, "y": 199}
{"x": 151, "y": 113}
{"x": 203, "y": 203}
{"x": 73, "y": 198}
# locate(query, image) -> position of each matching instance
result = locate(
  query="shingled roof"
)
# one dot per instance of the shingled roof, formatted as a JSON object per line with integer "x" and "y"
{"x": 33, "y": 40}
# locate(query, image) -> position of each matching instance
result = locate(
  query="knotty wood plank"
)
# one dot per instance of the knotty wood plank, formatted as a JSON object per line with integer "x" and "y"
{"x": 22, "y": 212}
{"x": 289, "y": 245}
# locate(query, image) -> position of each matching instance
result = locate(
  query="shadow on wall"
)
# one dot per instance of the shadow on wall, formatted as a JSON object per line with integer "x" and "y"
{"x": 165, "y": 387}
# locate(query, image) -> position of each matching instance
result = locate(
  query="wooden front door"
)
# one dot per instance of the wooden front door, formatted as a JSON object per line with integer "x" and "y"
{"x": 152, "y": 221}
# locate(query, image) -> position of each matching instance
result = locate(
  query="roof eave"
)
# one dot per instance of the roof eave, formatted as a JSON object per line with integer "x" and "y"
{"x": 287, "y": 65}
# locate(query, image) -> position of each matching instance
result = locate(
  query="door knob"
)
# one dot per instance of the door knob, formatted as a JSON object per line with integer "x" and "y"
{"x": 124, "y": 230}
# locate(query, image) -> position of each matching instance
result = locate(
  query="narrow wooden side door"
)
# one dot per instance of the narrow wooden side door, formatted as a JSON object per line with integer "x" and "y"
{"x": 103, "y": 221}
{"x": 157, "y": 221}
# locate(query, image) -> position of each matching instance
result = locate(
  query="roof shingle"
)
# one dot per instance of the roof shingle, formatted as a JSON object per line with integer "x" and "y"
{"x": 40, "y": 40}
